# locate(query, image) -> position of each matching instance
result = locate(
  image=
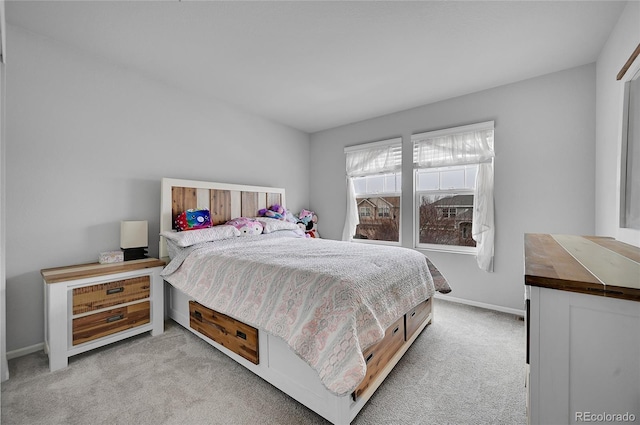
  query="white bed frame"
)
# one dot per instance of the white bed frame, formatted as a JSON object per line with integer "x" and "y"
{"x": 279, "y": 365}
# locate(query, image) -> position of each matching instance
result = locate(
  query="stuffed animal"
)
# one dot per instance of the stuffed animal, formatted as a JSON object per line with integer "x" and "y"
{"x": 246, "y": 226}
{"x": 274, "y": 211}
{"x": 307, "y": 220}
{"x": 193, "y": 219}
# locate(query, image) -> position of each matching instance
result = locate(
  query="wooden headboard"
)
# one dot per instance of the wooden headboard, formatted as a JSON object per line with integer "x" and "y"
{"x": 224, "y": 201}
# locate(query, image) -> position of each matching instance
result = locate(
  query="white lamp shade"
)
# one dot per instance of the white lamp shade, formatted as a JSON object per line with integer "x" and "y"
{"x": 134, "y": 234}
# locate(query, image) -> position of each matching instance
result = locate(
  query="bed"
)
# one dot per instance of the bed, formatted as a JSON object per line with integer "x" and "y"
{"x": 323, "y": 321}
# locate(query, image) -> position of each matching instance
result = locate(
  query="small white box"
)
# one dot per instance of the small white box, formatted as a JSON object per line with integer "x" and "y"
{"x": 109, "y": 257}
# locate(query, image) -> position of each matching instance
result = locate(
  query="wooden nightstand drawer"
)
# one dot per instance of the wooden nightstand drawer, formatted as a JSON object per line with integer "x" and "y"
{"x": 416, "y": 317}
{"x": 98, "y": 325}
{"x": 378, "y": 355}
{"x": 238, "y": 337}
{"x": 96, "y": 297}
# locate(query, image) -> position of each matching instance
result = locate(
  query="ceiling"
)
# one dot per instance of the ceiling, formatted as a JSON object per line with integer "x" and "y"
{"x": 314, "y": 65}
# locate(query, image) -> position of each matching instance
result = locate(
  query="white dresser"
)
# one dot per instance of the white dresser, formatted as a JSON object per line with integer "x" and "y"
{"x": 583, "y": 329}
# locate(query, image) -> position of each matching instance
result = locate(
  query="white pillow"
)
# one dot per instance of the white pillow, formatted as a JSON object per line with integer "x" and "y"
{"x": 210, "y": 234}
{"x": 273, "y": 224}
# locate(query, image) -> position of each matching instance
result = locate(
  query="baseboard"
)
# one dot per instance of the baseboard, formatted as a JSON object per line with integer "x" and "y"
{"x": 24, "y": 351}
{"x": 502, "y": 309}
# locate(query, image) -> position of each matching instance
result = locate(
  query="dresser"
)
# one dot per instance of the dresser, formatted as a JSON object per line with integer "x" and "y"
{"x": 91, "y": 305}
{"x": 582, "y": 296}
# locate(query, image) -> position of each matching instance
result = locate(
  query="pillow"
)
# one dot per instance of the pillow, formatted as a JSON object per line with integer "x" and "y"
{"x": 193, "y": 219}
{"x": 273, "y": 224}
{"x": 215, "y": 233}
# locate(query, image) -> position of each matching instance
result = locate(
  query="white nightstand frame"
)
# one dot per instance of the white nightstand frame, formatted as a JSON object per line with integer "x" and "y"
{"x": 58, "y": 315}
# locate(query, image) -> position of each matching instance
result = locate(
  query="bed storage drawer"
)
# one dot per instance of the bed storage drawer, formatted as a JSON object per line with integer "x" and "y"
{"x": 416, "y": 317}
{"x": 238, "y": 337}
{"x": 95, "y": 297}
{"x": 98, "y": 325}
{"x": 378, "y": 355}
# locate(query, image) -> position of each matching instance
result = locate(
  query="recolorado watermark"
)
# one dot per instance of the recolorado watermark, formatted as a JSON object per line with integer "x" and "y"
{"x": 605, "y": 417}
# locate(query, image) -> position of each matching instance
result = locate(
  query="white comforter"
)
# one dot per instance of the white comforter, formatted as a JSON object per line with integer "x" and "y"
{"x": 328, "y": 300}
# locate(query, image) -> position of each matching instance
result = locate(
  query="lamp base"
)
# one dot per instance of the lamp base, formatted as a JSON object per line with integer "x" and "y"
{"x": 134, "y": 253}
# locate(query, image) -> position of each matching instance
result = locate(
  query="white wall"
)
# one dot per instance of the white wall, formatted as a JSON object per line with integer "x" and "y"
{"x": 623, "y": 40}
{"x": 87, "y": 144}
{"x": 544, "y": 171}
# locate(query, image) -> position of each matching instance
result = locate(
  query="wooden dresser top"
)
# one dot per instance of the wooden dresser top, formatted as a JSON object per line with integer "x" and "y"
{"x": 81, "y": 271}
{"x": 586, "y": 264}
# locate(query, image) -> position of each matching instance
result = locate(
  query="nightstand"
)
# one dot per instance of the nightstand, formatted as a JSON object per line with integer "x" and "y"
{"x": 91, "y": 305}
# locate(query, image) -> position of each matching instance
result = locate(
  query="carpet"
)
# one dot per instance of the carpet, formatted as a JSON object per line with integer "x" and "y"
{"x": 467, "y": 367}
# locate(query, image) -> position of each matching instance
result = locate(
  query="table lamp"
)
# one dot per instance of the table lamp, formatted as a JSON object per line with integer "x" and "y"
{"x": 134, "y": 239}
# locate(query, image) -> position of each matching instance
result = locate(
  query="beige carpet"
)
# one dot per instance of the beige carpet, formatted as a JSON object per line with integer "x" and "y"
{"x": 466, "y": 368}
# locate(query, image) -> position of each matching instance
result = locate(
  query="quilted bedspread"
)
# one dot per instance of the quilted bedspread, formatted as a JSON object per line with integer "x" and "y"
{"x": 328, "y": 300}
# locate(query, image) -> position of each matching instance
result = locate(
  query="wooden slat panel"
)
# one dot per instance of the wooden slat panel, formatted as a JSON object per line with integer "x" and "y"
{"x": 249, "y": 206}
{"x": 63, "y": 274}
{"x": 416, "y": 317}
{"x": 629, "y": 251}
{"x": 262, "y": 202}
{"x": 606, "y": 265}
{"x": 273, "y": 198}
{"x": 95, "y": 297}
{"x": 549, "y": 265}
{"x": 183, "y": 198}
{"x": 378, "y": 355}
{"x": 236, "y": 204}
{"x": 203, "y": 199}
{"x": 94, "y": 326}
{"x": 237, "y": 336}
{"x": 220, "y": 206}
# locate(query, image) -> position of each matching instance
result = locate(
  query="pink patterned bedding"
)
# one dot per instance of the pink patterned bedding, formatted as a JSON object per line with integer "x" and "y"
{"x": 328, "y": 300}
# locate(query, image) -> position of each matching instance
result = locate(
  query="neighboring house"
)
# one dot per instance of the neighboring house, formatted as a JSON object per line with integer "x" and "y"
{"x": 379, "y": 218}
{"x": 447, "y": 220}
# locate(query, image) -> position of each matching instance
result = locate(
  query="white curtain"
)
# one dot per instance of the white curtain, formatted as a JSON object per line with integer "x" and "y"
{"x": 483, "y": 228}
{"x": 457, "y": 149}
{"x": 364, "y": 161}
{"x": 474, "y": 146}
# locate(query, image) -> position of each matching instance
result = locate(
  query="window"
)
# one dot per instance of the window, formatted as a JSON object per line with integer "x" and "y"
{"x": 374, "y": 178}
{"x": 453, "y": 188}
{"x": 384, "y": 212}
{"x": 445, "y": 203}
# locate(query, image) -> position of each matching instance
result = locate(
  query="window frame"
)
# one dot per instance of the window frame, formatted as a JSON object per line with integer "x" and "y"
{"x": 416, "y": 229}
{"x": 396, "y": 144}
{"x": 418, "y": 193}
{"x": 375, "y": 216}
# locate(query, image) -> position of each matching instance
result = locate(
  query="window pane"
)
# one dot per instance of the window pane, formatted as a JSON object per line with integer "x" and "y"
{"x": 360, "y": 184}
{"x": 375, "y": 184}
{"x": 427, "y": 180}
{"x": 379, "y": 218}
{"x": 390, "y": 183}
{"x": 379, "y": 183}
{"x": 446, "y": 219}
{"x": 452, "y": 179}
{"x": 470, "y": 178}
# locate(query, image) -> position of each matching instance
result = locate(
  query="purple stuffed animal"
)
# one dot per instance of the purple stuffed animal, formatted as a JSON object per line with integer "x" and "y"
{"x": 274, "y": 211}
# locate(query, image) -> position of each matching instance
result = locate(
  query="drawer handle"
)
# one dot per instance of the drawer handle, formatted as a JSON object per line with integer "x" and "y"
{"x": 115, "y": 318}
{"x": 396, "y": 330}
{"x": 241, "y": 335}
{"x": 413, "y": 314}
{"x": 198, "y": 315}
{"x": 115, "y": 290}
{"x": 369, "y": 357}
